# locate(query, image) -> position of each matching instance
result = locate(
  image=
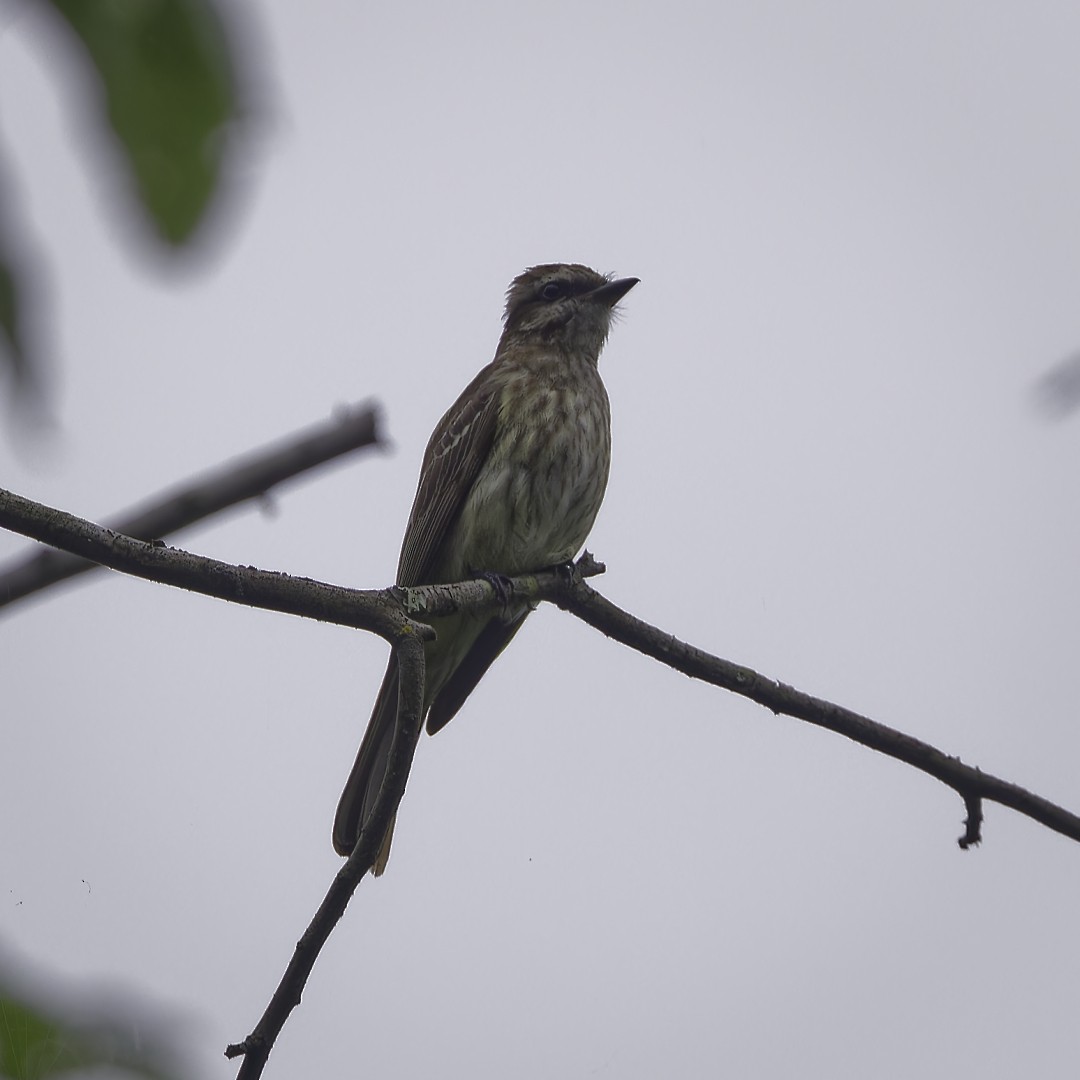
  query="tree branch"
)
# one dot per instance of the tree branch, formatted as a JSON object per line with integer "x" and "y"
{"x": 971, "y": 783}
{"x": 257, "y": 1046}
{"x": 248, "y": 477}
{"x": 398, "y": 615}
{"x": 389, "y": 612}
{"x": 386, "y": 612}
{"x": 377, "y": 610}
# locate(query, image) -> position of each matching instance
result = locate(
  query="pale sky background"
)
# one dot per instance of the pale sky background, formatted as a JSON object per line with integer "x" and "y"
{"x": 857, "y": 228}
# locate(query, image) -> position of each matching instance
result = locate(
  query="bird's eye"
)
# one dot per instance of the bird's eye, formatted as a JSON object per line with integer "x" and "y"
{"x": 551, "y": 291}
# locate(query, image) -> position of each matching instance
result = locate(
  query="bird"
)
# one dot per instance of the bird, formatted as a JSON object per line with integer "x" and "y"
{"x": 511, "y": 482}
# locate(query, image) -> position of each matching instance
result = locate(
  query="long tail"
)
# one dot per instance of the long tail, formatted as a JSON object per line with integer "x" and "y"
{"x": 468, "y": 647}
{"x": 365, "y": 780}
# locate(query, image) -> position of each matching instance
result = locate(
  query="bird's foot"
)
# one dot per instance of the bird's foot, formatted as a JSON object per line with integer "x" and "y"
{"x": 503, "y": 586}
{"x": 565, "y": 570}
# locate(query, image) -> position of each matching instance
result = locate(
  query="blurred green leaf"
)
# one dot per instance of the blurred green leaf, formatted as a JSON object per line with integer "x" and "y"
{"x": 31, "y": 1046}
{"x": 170, "y": 93}
{"x": 11, "y": 344}
{"x": 34, "y": 1046}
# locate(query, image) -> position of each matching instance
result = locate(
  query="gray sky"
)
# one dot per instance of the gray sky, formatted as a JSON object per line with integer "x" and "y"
{"x": 858, "y": 236}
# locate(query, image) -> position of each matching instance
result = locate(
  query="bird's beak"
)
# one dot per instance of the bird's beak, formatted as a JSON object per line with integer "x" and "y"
{"x": 613, "y": 291}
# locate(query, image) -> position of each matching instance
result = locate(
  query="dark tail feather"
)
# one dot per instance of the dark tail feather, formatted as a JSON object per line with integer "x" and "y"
{"x": 365, "y": 780}
{"x": 462, "y": 682}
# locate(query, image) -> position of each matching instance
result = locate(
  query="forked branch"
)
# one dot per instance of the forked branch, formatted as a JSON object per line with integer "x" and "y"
{"x": 399, "y": 616}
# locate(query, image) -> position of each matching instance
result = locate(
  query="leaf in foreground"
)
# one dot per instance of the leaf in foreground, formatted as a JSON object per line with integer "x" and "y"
{"x": 169, "y": 84}
{"x": 35, "y": 1046}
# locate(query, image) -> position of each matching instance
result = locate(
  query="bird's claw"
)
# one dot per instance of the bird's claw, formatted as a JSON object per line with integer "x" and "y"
{"x": 503, "y": 586}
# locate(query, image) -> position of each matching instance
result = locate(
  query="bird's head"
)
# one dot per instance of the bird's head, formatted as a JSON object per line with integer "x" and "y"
{"x": 564, "y": 305}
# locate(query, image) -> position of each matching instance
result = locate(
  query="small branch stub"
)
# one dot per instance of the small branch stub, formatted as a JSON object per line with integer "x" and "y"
{"x": 973, "y": 822}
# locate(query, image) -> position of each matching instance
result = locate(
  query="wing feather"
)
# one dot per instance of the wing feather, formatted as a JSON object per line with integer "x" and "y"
{"x": 455, "y": 454}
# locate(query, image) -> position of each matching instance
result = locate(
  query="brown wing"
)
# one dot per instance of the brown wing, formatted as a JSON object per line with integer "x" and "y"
{"x": 455, "y": 454}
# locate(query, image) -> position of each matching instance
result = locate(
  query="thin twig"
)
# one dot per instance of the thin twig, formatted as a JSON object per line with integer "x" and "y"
{"x": 377, "y": 610}
{"x": 972, "y": 784}
{"x": 973, "y": 821}
{"x": 251, "y": 476}
{"x": 257, "y": 1046}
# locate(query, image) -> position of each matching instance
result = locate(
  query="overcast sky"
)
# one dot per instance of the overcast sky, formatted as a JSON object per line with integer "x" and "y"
{"x": 857, "y": 231}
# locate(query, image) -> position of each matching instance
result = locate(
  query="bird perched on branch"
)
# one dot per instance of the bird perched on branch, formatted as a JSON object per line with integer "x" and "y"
{"x": 511, "y": 482}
